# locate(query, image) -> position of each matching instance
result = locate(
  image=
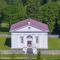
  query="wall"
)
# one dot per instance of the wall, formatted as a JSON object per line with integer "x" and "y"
{"x": 16, "y": 42}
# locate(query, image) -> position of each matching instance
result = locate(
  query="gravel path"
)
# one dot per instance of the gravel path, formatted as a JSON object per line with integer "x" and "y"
{"x": 50, "y": 51}
{"x": 19, "y": 51}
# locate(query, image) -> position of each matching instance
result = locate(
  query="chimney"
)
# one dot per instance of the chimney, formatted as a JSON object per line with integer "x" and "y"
{"x": 29, "y": 23}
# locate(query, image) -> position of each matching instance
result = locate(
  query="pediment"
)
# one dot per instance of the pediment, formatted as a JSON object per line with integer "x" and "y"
{"x": 29, "y": 25}
{"x": 27, "y": 29}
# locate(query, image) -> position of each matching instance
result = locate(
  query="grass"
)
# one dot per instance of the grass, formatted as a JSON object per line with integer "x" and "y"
{"x": 43, "y": 57}
{"x": 3, "y": 44}
{"x": 54, "y": 43}
{"x": 2, "y": 41}
{"x": 50, "y": 57}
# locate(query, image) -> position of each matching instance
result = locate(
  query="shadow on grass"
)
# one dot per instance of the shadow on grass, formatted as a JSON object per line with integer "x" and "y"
{"x": 56, "y": 29}
{"x": 8, "y": 42}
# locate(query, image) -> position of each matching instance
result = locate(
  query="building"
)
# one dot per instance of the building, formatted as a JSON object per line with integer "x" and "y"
{"x": 29, "y": 35}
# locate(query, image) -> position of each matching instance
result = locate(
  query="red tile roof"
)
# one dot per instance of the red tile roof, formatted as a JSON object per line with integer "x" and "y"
{"x": 33, "y": 22}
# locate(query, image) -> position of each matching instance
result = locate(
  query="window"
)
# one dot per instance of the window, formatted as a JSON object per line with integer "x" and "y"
{"x": 29, "y": 27}
{"x": 21, "y": 39}
{"x": 37, "y": 39}
{"x": 29, "y": 36}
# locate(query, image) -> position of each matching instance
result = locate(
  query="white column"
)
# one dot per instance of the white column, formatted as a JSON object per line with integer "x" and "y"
{"x": 25, "y": 44}
{"x": 34, "y": 45}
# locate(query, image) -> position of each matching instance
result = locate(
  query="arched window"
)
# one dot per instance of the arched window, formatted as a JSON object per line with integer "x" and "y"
{"x": 29, "y": 36}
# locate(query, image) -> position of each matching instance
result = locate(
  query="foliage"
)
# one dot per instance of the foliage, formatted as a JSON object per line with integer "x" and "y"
{"x": 12, "y": 11}
{"x": 33, "y": 8}
{"x": 2, "y": 4}
{"x": 48, "y": 13}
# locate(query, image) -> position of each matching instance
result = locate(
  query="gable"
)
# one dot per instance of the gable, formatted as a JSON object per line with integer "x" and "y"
{"x": 27, "y": 29}
{"x": 24, "y": 26}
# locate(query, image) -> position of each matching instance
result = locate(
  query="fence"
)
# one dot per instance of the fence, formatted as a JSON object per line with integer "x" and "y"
{"x": 18, "y": 51}
{"x": 5, "y": 36}
{"x": 54, "y": 36}
{"x": 8, "y": 36}
{"x": 21, "y": 52}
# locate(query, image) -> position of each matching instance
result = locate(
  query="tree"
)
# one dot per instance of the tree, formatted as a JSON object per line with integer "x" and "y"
{"x": 12, "y": 2}
{"x": 24, "y": 2}
{"x": 43, "y": 2}
{"x": 2, "y": 6}
{"x": 15, "y": 12}
{"x": 32, "y": 8}
{"x": 48, "y": 12}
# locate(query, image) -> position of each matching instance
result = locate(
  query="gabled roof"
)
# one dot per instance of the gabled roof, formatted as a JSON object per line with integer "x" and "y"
{"x": 31, "y": 22}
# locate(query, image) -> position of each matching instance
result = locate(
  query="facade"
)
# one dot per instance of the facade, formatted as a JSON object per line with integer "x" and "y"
{"x": 29, "y": 35}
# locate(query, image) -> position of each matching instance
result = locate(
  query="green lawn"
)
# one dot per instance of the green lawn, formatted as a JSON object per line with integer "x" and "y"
{"x": 3, "y": 43}
{"x": 50, "y": 57}
{"x": 21, "y": 56}
{"x": 54, "y": 43}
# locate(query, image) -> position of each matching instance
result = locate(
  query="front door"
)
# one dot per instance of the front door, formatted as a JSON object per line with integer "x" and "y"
{"x": 29, "y": 43}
